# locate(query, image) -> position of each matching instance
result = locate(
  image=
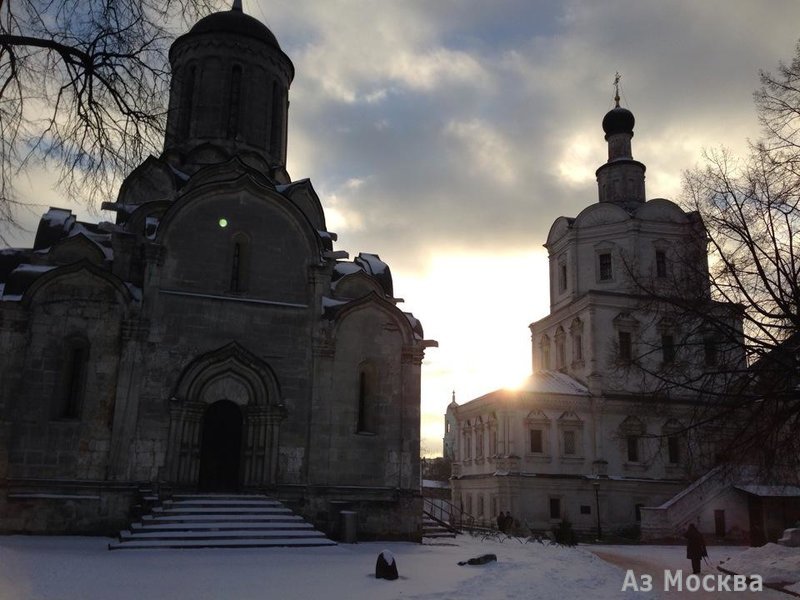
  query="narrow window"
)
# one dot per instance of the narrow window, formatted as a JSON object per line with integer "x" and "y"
{"x": 479, "y": 444}
{"x": 667, "y": 348}
{"x": 661, "y": 263}
{"x": 74, "y": 378}
{"x": 366, "y": 402}
{"x": 555, "y": 508}
{"x": 710, "y": 352}
{"x": 186, "y": 102}
{"x": 480, "y": 505}
{"x": 606, "y": 273}
{"x": 234, "y": 104}
{"x": 562, "y": 277}
{"x": 625, "y": 348}
{"x": 633, "y": 448}
{"x": 674, "y": 449}
{"x": 638, "y": 512}
{"x": 236, "y": 267}
{"x": 545, "y": 353}
{"x": 240, "y": 258}
{"x": 569, "y": 443}
{"x": 277, "y": 121}
{"x": 561, "y": 354}
{"x": 586, "y": 509}
{"x": 578, "y": 341}
{"x": 537, "y": 444}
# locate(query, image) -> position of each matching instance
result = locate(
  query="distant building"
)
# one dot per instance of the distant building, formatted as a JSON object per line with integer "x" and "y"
{"x": 579, "y": 440}
{"x": 450, "y": 429}
{"x": 211, "y": 338}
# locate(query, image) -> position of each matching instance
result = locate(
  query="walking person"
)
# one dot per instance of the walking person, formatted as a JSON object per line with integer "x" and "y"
{"x": 695, "y": 547}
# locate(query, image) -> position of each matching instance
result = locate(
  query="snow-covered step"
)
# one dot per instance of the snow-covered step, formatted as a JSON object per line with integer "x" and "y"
{"x": 218, "y": 535}
{"x": 153, "y": 544}
{"x": 295, "y": 523}
{"x": 231, "y": 518}
{"x": 230, "y": 510}
{"x": 222, "y": 522}
{"x": 223, "y": 503}
{"x": 235, "y": 497}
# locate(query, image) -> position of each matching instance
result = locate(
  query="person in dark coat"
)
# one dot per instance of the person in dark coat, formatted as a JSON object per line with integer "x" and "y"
{"x": 509, "y": 528}
{"x": 695, "y": 547}
{"x": 501, "y": 522}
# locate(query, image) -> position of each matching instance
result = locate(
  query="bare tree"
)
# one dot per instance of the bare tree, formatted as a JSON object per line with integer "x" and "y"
{"x": 737, "y": 354}
{"x": 83, "y": 86}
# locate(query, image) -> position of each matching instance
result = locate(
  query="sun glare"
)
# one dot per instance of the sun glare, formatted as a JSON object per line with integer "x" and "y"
{"x": 478, "y": 307}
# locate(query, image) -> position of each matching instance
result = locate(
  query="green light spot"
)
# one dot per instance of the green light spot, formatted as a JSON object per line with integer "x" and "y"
{"x": 223, "y": 222}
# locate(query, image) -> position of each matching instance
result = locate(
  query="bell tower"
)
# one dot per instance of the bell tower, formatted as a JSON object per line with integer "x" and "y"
{"x": 620, "y": 179}
{"x": 229, "y": 95}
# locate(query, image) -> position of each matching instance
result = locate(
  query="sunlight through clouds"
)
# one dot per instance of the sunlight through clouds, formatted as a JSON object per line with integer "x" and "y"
{"x": 478, "y": 307}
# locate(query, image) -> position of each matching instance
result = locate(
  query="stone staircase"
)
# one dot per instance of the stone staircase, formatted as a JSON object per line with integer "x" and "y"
{"x": 220, "y": 521}
{"x": 433, "y": 529}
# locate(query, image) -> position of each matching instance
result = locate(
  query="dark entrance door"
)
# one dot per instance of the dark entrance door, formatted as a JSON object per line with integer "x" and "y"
{"x": 221, "y": 448}
{"x": 719, "y": 523}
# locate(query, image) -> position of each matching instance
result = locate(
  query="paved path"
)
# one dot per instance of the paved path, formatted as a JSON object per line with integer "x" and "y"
{"x": 654, "y": 560}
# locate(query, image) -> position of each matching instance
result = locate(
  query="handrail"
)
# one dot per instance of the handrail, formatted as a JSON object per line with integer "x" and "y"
{"x": 448, "y": 514}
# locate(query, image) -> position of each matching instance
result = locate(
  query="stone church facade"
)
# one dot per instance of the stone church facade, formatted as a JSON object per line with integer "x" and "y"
{"x": 211, "y": 338}
{"x": 581, "y": 440}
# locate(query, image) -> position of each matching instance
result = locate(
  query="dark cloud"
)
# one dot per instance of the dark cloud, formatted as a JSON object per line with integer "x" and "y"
{"x": 436, "y": 128}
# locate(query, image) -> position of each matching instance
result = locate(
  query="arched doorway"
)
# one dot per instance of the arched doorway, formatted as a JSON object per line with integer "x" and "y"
{"x": 221, "y": 447}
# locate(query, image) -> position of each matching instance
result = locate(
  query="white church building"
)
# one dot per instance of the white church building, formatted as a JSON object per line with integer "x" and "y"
{"x": 580, "y": 441}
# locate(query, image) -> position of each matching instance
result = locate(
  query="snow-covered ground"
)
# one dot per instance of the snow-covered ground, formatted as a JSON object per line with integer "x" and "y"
{"x": 81, "y": 568}
{"x": 776, "y": 564}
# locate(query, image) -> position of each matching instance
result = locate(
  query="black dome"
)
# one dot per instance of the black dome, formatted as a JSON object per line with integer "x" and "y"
{"x": 236, "y": 22}
{"x": 618, "y": 120}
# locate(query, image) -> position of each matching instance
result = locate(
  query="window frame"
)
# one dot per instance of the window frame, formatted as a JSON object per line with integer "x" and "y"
{"x": 605, "y": 268}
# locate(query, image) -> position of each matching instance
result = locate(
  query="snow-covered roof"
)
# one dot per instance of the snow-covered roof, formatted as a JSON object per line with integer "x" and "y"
{"x": 433, "y": 483}
{"x": 770, "y": 491}
{"x": 372, "y": 264}
{"x": 21, "y": 278}
{"x": 553, "y": 382}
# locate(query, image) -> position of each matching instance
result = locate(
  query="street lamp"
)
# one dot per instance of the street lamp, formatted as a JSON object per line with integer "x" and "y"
{"x": 596, "y": 485}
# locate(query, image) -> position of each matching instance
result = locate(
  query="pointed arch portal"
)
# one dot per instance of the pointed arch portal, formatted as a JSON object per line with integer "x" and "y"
{"x": 225, "y": 417}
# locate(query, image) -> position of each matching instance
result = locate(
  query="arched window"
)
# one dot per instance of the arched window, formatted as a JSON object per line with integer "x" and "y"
{"x": 234, "y": 103}
{"x": 73, "y": 379}
{"x": 479, "y": 438}
{"x": 366, "y": 411}
{"x": 576, "y": 330}
{"x": 561, "y": 352}
{"x": 544, "y": 346}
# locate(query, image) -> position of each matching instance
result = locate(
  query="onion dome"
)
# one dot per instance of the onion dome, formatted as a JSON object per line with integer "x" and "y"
{"x": 618, "y": 120}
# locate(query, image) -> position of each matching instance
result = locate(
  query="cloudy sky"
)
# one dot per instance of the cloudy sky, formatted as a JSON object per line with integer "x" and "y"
{"x": 447, "y": 135}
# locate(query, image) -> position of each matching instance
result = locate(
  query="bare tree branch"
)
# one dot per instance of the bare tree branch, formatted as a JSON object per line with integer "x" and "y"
{"x": 83, "y": 90}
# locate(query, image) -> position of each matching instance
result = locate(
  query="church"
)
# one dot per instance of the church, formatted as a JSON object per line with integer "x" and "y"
{"x": 595, "y": 436}
{"x": 210, "y": 338}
